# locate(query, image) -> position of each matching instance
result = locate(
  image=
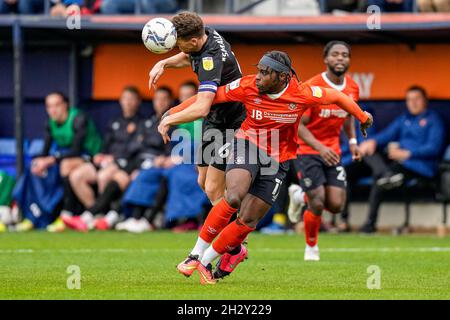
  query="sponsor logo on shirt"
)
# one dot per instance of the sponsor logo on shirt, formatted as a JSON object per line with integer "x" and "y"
{"x": 276, "y": 117}
{"x": 292, "y": 106}
{"x": 316, "y": 91}
{"x": 327, "y": 113}
{"x": 232, "y": 85}
{"x": 235, "y": 84}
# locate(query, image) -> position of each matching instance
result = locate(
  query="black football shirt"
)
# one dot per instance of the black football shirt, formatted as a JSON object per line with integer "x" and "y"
{"x": 216, "y": 65}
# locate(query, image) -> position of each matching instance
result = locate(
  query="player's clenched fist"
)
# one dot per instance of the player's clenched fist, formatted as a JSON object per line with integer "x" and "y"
{"x": 163, "y": 130}
{"x": 367, "y": 124}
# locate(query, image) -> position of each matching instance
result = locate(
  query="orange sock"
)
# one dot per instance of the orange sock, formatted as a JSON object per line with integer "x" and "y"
{"x": 217, "y": 219}
{"x": 312, "y": 226}
{"x": 232, "y": 236}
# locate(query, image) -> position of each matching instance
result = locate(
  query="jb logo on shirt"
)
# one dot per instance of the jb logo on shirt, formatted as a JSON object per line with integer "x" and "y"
{"x": 327, "y": 113}
{"x": 275, "y": 117}
{"x": 257, "y": 114}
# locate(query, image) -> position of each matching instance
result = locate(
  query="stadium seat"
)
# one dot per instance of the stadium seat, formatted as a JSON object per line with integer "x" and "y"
{"x": 8, "y": 156}
{"x": 35, "y": 147}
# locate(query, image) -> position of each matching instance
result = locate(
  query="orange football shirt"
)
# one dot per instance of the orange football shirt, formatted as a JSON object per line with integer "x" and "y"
{"x": 326, "y": 121}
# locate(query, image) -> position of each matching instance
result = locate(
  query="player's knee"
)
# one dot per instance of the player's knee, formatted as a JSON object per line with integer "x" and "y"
{"x": 201, "y": 182}
{"x": 233, "y": 199}
{"x": 317, "y": 204}
{"x": 335, "y": 207}
{"x": 251, "y": 222}
{"x": 213, "y": 191}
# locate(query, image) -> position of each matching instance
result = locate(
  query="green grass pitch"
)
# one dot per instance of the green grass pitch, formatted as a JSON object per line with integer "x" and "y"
{"x": 125, "y": 266}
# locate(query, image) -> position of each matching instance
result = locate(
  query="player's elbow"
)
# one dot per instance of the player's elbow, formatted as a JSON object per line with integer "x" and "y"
{"x": 203, "y": 111}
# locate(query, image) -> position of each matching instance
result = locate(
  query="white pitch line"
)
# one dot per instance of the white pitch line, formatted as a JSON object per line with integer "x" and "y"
{"x": 269, "y": 250}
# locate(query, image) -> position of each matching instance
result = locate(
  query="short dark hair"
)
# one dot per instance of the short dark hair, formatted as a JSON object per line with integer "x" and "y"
{"x": 58, "y": 93}
{"x": 420, "y": 89}
{"x": 188, "y": 25}
{"x": 331, "y": 44}
{"x": 166, "y": 90}
{"x": 134, "y": 90}
{"x": 191, "y": 84}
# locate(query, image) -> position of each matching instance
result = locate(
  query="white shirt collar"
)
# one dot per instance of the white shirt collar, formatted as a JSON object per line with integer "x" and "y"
{"x": 274, "y": 96}
{"x": 339, "y": 87}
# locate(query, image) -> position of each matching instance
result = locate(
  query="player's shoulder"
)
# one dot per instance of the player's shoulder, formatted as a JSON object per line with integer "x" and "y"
{"x": 248, "y": 80}
{"x": 317, "y": 80}
{"x": 351, "y": 84}
{"x": 244, "y": 82}
{"x": 308, "y": 91}
{"x": 214, "y": 44}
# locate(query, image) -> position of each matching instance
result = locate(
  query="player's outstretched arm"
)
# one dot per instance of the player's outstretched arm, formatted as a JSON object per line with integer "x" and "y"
{"x": 192, "y": 109}
{"x": 346, "y": 103}
{"x": 197, "y": 109}
{"x": 350, "y": 131}
{"x": 179, "y": 60}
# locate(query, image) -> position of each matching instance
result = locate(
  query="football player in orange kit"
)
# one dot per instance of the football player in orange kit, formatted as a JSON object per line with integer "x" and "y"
{"x": 318, "y": 164}
{"x": 260, "y": 154}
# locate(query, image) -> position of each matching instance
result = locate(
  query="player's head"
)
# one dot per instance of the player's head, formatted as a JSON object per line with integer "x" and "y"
{"x": 57, "y": 106}
{"x": 336, "y": 55}
{"x": 187, "y": 90}
{"x": 130, "y": 100}
{"x": 416, "y": 100}
{"x": 162, "y": 100}
{"x": 274, "y": 72}
{"x": 190, "y": 31}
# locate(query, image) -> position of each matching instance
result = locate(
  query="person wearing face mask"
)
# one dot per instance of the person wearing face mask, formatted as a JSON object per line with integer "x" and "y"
{"x": 410, "y": 147}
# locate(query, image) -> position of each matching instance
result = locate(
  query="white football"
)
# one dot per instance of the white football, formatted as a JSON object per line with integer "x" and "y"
{"x": 159, "y": 35}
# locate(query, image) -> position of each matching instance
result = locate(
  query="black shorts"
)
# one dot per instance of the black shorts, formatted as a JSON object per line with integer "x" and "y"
{"x": 216, "y": 144}
{"x": 267, "y": 174}
{"x": 313, "y": 173}
{"x": 129, "y": 165}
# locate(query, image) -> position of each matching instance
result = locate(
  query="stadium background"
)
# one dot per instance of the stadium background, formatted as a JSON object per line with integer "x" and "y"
{"x": 39, "y": 54}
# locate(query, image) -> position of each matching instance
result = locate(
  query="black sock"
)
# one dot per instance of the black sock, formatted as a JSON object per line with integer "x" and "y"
{"x": 151, "y": 214}
{"x": 70, "y": 199}
{"x": 138, "y": 211}
{"x": 103, "y": 202}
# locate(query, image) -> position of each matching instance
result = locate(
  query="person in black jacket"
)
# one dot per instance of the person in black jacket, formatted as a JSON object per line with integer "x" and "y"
{"x": 147, "y": 193}
{"x": 111, "y": 169}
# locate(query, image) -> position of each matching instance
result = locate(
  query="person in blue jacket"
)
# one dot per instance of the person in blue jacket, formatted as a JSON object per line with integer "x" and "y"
{"x": 410, "y": 147}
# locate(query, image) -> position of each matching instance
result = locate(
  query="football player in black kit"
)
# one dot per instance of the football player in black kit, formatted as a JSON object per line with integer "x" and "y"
{"x": 211, "y": 58}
